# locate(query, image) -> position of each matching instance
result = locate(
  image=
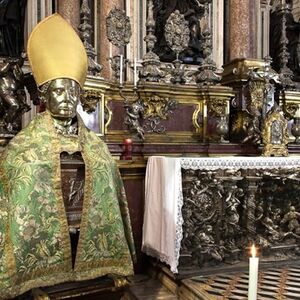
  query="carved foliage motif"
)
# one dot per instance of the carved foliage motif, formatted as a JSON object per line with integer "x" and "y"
{"x": 257, "y": 90}
{"x": 177, "y": 32}
{"x": 118, "y": 27}
{"x": 201, "y": 213}
{"x": 217, "y": 107}
{"x": 155, "y": 110}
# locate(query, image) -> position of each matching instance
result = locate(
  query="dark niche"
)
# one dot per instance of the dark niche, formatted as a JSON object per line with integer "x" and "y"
{"x": 193, "y": 12}
{"x": 12, "y": 17}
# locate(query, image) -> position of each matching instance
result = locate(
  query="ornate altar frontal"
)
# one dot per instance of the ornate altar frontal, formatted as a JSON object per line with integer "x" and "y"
{"x": 214, "y": 208}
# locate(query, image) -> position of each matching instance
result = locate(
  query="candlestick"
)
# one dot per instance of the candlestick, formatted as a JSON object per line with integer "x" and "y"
{"x": 135, "y": 72}
{"x": 121, "y": 69}
{"x": 253, "y": 275}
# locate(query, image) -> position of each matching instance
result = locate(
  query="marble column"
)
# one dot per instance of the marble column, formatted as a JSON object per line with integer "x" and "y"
{"x": 242, "y": 32}
{"x": 70, "y": 10}
{"x": 103, "y": 45}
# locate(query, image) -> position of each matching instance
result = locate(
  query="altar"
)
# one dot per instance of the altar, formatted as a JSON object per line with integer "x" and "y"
{"x": 204, "y": 213}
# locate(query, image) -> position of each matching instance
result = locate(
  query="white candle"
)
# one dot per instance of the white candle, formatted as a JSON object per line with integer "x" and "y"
{"x": 135, "y": 80}
{"x": 253, "y": 275}
{"x": 121, "y": 69}
{"x": 110, "y": 50}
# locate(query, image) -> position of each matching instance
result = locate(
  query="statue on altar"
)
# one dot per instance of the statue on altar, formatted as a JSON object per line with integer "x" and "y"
{"x": 35, "y": 248}
{"x": 12, "y": 93}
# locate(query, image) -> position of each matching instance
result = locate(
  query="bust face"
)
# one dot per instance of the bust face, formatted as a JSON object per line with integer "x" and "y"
{"x": 62, "y": 98}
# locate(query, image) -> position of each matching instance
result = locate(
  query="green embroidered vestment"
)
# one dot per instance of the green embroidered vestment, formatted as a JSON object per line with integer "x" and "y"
{"x": 34, "y": 237}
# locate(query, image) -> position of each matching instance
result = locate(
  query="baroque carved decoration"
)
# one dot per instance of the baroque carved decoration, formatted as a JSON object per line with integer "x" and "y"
{"x": 217, "y": 107}
{"x": 118, "y": 27}
{"x": 150, "y": 70}
{"x": 207, "y": 71}
{"x": 85, "y": 29}
{"x": 260, "y": 101}
{"x": 284, "y": 32}
{"x": 90, "y": 99}
{"x": 193, "y": 12}
{"x": 225, "y": 210}
{"x": 177, "y": 36}
{"x": 177, "y": 32}
{"x": 12, "y": 95}
{"x": 201, "y": 212}
{"x": 290, "y": 110}
{"x": 157, "y": 109}
{"x": 134, "y": 114}
{"x": 275, "y": 134}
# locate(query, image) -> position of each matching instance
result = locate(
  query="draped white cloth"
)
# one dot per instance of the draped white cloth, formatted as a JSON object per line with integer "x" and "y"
{"x": 162, "y": 229}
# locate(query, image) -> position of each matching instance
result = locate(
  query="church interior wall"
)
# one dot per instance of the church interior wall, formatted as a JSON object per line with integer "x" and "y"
{"x": 210, "y": 107}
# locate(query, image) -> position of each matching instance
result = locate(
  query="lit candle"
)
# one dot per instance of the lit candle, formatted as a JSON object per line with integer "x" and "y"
{"x": 135, "y": 72}
{"x": 127, "y": 149}
{"x": 121, "y": 69}
{"x": 253, "y": 275}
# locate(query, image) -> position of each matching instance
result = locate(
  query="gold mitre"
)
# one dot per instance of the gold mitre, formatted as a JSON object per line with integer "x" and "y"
{"x": 55, "y": 51}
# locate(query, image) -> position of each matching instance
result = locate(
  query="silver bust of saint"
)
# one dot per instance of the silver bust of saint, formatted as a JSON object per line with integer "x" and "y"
{"x": 61, "y": 96}
{"x": 276, "y": 133}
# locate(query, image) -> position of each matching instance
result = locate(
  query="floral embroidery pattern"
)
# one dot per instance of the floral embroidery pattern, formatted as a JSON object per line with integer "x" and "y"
{"x": 34, "y": 236}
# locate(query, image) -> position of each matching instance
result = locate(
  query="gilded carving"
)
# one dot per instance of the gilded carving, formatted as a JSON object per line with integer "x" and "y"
{"x": 157, "y": 109}
{"x": 197, "y": 118}
{"x": 217, "y": 107}
{"x": 275, "y": 134}
{"x": 118, "y": 27}
{"x": 257, "y": 90}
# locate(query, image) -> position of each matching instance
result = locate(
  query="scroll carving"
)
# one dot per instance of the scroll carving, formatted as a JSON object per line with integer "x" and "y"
{"x": 157, "y": 109}
{"x": 225, "y": 210}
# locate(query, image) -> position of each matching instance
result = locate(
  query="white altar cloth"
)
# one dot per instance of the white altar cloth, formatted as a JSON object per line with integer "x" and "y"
{"x": 162, "y": 229}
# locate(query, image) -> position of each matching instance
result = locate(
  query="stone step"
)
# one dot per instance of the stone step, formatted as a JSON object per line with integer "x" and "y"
{"x": 145, "y": 288}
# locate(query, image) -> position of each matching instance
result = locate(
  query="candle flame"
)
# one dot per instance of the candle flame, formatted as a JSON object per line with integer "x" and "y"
{"x": 128, "y": 141}
{"x": 253, "y": 251}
